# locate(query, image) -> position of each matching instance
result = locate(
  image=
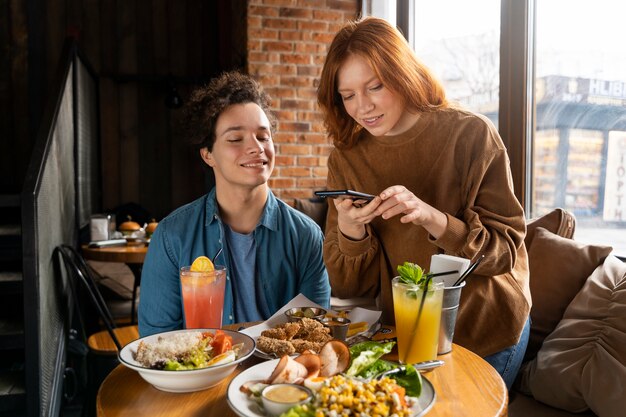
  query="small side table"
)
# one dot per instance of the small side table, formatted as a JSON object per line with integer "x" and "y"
{"x": 131, "y": 255}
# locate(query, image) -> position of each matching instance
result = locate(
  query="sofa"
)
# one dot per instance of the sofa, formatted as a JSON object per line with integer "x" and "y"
{"x": 575, "y": 364}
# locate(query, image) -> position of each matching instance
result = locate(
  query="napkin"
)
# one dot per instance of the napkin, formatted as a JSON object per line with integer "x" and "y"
{"x": 443, "y": 263}
{"x": 356, "y": 314}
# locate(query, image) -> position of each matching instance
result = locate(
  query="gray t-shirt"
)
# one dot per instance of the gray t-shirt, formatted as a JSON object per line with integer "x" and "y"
{"x": 248, "y": 303}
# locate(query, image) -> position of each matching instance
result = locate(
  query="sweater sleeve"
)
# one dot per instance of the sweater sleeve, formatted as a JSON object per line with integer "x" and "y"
{"x": 352, "y": 266}
{"x": 492, "y": 221}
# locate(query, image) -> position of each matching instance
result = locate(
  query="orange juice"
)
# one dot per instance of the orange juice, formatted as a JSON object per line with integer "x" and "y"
{"x": 203, "y": 297}
{"x": 417, "y": 342}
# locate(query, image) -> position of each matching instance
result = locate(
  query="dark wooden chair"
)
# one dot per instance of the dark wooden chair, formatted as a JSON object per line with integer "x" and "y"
{"x": 103, "y": 342}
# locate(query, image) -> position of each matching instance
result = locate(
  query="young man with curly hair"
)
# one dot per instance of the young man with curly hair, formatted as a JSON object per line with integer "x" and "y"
{"x": 272, "y": 252}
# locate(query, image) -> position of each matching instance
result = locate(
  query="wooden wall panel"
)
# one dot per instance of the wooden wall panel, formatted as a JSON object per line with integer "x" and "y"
{"x": 153, "y": 155}
{"x": 194, "y": 20}
{"x": 160, "y": 34}
{"x": 109, "y": 101}
{"x": 7, "y": 167}
{"x": 19, "y": 84}
{"x": 54, "y": 35}
{"x": 14, "y": 133}
{"x": 7, "y": 163}
{"x": 90, "y": 32}
{"x": 110, "y": 143}
{"x": 133, "y": 45}
{"x": 108, "y": 38}
{"x": 129, "y": 125}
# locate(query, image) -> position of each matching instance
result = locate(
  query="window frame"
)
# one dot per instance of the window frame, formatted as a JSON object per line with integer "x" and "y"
{"x": 516, "y": 117}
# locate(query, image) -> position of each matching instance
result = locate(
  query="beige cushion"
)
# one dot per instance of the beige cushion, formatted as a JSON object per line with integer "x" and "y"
{"x": 582, "y": 364}
{"x": 559, "y": 221}
{"x": 521, "y": 405}
{"x": 558, "y": 269}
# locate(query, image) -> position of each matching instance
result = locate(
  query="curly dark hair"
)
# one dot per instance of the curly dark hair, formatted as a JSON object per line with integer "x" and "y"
{"x": 206, "y": 103}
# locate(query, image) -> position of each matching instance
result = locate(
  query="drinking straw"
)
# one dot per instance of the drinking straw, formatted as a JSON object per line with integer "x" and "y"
{"x": 468, "y": 271}
{"x": 440, "y": 274}
{"x": 429, "y": 278}
{"x": 216, "y": 255}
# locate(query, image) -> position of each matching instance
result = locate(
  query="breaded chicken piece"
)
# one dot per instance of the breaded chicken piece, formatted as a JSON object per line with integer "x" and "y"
{"x": 310, "y": 330}
{"x": 310, "y": 324}
{"x": 284, "y": 331}
{"x": 303, "y": 345}
{"x": 319, "y": 335}
{"x": 277, "y": 333}
{"x": 275, "y": 346}
{"x": 291, "y": 329}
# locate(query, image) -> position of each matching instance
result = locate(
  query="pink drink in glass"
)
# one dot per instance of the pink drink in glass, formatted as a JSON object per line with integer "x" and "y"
{"x": 203, "y": 297}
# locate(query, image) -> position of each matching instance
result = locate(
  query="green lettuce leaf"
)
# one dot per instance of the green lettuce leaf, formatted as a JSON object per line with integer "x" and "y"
{"x": 377, "y": 368}
{"x": 299, "y": 411}
{"x": 365, "y": 354}
{"x": 410, "y": 379}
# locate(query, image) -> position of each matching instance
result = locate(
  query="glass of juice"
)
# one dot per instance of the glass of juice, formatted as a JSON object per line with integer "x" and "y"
{"x": 203, "y": 297}
{"x": 418, "y": 334}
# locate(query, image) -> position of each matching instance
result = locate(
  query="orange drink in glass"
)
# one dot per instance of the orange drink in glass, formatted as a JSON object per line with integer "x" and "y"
{"x": 417, "y": 340}
{"x": 203, "y": 297}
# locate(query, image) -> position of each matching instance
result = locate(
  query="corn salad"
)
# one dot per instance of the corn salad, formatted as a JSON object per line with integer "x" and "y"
{"x": 342, "y": 396}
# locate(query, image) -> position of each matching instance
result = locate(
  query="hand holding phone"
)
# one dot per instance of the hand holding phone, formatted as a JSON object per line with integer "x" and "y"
{"x": 354, "y": 195}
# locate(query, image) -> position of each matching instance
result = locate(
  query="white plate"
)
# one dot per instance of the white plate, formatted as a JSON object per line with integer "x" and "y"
{"x": 243, "y": 406}
{"x": 369, "y": 332}
{"x": 187, "y": 380}
{"x": 263, "y": 355}
{"x": 136, "y": 240}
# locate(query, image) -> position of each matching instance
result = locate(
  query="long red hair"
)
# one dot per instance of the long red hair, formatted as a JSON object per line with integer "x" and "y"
{"x": 394, "y": 62}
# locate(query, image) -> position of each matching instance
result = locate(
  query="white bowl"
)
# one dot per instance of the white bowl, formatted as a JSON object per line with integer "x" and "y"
{"x": 187, "y": 380}
{"x": 275, "y": 407}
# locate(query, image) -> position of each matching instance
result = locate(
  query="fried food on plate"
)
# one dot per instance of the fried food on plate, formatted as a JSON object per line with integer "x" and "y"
{"x": 297, "y": 336}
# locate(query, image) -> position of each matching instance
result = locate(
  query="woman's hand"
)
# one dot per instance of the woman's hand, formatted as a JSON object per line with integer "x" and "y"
{"x": 352, "y": 216}
{"x": 397, "y": 200}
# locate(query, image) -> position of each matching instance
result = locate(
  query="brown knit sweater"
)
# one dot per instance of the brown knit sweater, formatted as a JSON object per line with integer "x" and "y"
{"x": 455, "y": 161}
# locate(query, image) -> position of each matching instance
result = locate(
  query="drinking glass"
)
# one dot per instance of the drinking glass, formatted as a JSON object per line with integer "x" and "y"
{"x": 417, "y": 332}
{"x": 203, "y": 297}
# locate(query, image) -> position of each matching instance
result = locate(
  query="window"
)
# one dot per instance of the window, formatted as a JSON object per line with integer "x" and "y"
{"x": 579, "y": 142}
{"x": 463, "y": 49}
{"x": 385, "y": 9}
{"x": 561, "y": 104}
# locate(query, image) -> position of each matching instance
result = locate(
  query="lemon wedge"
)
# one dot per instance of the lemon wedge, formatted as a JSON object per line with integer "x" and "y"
{"x": 202, "y": 264}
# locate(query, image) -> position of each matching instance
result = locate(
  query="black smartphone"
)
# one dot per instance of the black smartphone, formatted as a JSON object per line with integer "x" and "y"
{"x": 354, "y": 195}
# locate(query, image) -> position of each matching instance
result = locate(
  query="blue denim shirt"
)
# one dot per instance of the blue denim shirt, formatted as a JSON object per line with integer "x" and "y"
{"x": 289, "y": 260}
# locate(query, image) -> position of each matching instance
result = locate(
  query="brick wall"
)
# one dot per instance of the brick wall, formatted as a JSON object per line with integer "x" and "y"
{"x": 287, "y": 44}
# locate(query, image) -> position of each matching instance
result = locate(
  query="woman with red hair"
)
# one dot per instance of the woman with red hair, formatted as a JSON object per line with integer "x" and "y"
{"x": 442, "y": 182}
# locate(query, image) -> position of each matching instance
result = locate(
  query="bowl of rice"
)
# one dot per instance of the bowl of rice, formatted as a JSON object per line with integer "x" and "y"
{"x": 187, "y": 360}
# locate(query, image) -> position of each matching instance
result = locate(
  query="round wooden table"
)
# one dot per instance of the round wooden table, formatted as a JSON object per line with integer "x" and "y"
{"x": 131, "y": 255}
{"x": 465, "y": 386}
{"x": 128, "y": 254}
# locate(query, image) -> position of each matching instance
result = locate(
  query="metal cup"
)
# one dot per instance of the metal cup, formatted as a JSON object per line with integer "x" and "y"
{"x": 338, "y": 326}
{"x": 450, "y": 307}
